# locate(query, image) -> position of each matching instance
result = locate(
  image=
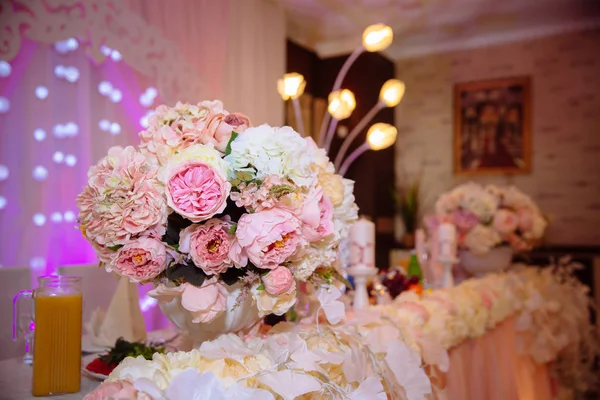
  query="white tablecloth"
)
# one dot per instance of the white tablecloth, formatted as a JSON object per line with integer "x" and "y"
{"x": 15, "y": 382}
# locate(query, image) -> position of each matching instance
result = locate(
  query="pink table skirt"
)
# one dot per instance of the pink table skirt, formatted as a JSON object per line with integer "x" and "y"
{"x": 490, "y": 368}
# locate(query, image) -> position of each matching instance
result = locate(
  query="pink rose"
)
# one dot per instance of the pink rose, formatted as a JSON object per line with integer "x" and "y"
{"x": 140, "y": 260}
{"x": 464, "y": 220}
{"x": 279, "y": 281}
{"x": 208, "y": 245}
{"x": 517, "y": 243}
{"x": 525, "y": 216}
{"x": 317, "y": 216}
{"x": 196, "y": 191}
{"x": 219, "y": 128}
{"x": 505, "y": 222}
{"x": 268, "y": 238}
{"x": 206, "y": 302}
{"x": 118, "y": 390}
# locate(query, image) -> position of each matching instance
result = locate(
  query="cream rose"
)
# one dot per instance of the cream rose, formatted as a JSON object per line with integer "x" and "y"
{"x": 333, "y": 187}
{"x": 268, "y": 304}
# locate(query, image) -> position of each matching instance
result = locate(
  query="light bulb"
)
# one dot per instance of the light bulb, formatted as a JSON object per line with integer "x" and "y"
{"x": 39, "y": 134}
{"x": 39, "y": 219}
{"x": 341, "y": 104}
{"x": 392, "y": 92}
{"x": 381, "y": 136}
{"x": 5, "y": 69}
{"x": 291, "y": 86}
{"x": 377, "y": 37}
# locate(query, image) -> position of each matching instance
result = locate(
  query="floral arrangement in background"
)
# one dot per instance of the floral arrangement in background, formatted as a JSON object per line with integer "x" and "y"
{"x": 383, "y": 353}
{"x": 207, "y": 201}
{"x": 489, "y": 216}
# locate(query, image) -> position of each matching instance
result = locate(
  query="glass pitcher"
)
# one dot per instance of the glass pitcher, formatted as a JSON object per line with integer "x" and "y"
{"x": 57, "y": 335}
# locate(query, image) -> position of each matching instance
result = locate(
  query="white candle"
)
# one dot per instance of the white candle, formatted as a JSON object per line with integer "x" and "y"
{"x": 447, "y": 240}
{"x": 362, "y": 243}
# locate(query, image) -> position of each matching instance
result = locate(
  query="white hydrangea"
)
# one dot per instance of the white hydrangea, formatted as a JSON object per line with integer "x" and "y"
{"x": 481, "y": 239}
{"x": 345, "y": 214}
{"x": 265, "y": 150}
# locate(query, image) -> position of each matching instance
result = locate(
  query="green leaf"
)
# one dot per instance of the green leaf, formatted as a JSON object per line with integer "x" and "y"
{"x": 115, "y": 247}
{"x": 235, "y": 182}
{"x": 291, "y": 315}
{"x": 186, "y": 272}
{"x": 234, "y": 135}
{"x": 261, "y": 286}
{"x": 244, "y": 176}
{"x": 232, "y": 229}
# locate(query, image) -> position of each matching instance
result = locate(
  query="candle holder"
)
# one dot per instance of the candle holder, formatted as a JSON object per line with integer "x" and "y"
{"x": 361, "y": 275}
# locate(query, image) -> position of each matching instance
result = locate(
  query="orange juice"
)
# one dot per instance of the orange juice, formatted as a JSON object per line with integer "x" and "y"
{"x": 57, "y": 344}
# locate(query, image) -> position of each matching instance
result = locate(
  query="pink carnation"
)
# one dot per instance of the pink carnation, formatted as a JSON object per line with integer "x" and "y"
{"x": 505, "y": 222}
{"x": 196, "y": 191}
{"x": 140, "y": 260}
{"x": 208, "y": 245}
{"x": 219, "y": 128}
{"x": 121, "y": 390}
{"x": 122, "y": 199}
{"x": 268, "y": 238}
{"x": 279, "y": 281}
{"x": 206, "y": 302}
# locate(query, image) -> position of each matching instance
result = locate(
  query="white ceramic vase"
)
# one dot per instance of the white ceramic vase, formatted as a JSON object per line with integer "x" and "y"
{"x": 232, "y": 320}
{"x": 497, "y": 259}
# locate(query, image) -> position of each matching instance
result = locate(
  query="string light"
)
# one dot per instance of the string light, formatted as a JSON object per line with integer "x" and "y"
{"x": 116, "y": 95}
{"x": 40, "y": 173}
{"x": 105, "y": 88}
{"x": 58, "y": 157}
{"x": 41, "y": 92}
{"x": 70, "y": 160}
{"x": 56, "y": 217}
{"x": 4, "y": 173}
{"x": 2, "y": 202}
{"x": 4, "y": 105}
{"x": 115, "y": 128}
{"x": 69, "y": 216}
{"x": 39, "y": 219}
{"x": 5, "y": 69}
{"x": 39, "y": 134}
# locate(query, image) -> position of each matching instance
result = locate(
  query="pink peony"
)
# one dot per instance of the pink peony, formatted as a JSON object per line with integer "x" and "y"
{"x": 208, "y": 245}
{"x": 525, "y": 216}
{"x": 219, "y": 128}
{"x": 196, "y": 191}
{"x": 140, "y": 260}
{"x": 123, "y": 199}
{"x": 117, "y": 390}
{"x": 464, "y": 220}
{"x": 505, "y": 222}
{"x": 317, "y": 216}
{"x": 206, "y": 302}
{"x": 268, "y": 238}
{"x": 279, "y": 281}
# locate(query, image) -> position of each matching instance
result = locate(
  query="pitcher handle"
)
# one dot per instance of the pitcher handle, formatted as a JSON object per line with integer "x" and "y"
{"x": 23, "y": 294}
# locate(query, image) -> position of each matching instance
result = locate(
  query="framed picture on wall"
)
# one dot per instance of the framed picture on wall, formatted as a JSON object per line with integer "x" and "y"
{"x": 492, "y": 126}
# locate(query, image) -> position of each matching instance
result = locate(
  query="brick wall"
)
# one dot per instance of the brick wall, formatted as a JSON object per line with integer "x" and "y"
{"x": 565, "y": 72}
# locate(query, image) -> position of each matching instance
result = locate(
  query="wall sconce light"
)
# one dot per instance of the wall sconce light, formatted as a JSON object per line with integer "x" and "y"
{"x": 380, "y": 136}
{"x": 392, "y": 92}
{"x": 341, "y": 104}
{"x": 377, "y": 37}
{"x": 291, "y": 86}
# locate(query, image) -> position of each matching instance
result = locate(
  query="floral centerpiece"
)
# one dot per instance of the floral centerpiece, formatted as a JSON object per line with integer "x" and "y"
{"x": 489, "y": 216}
{"x": 219, "y": 215}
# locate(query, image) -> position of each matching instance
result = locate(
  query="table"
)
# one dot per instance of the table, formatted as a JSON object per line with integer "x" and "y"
{"x": 15, "y": 382}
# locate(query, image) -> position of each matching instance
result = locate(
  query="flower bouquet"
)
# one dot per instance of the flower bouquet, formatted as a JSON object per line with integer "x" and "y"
{"x": 491, "y": 223}
{"x": 490, "y": 216}
{"x": 220, "y": 216}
